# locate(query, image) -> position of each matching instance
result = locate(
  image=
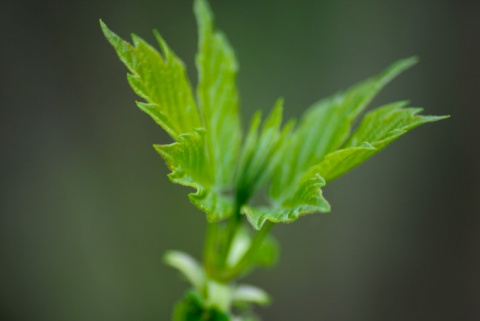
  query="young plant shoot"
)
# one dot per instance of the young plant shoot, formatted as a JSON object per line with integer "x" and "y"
{"x": 227, "y": 167}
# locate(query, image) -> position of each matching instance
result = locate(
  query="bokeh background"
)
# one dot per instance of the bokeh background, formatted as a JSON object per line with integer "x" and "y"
{"x": 87, "y": 209}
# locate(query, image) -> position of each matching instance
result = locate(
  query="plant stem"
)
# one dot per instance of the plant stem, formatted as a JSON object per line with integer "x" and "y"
{"x": 209, "y": 249}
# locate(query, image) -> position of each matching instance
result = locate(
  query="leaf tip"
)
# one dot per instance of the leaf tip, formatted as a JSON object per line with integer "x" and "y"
{"x": 102, "y": 24}
{"x": 410, "y": 61}
{"x": 203, "y": 13}
{"x": 396, "y": 69}
{"x": 106, "y": 31}
{"x": 436, "y": 118}
{"x": 162, "y": 43}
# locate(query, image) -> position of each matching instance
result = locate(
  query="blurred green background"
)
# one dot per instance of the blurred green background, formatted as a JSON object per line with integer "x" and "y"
{"x": 87, "y": 209}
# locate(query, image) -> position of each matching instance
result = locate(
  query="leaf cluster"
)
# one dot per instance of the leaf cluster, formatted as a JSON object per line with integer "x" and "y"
{"x": 290, "y": 162}
{"x": 228, "y": 167}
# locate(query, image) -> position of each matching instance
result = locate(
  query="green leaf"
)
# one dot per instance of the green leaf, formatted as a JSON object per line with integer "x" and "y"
{"x": 240, "y": 244}
{"x": 191, "y": 308}
{"x": 217, "y": 95}
{"x": 250, "y": 294}
{"x": 186, "y": 159}
{"x": 295, "y": 187}
{"x": 207, "y": 140}
{"x": 260, "y": 153}
{"x": 307, "y": 198}
{"x": 188, "y": 266}
{"x": 160, "y": 80}
{"x": 219, "y": 296}
{"x": 266, "y": 254}
{"x": 377, "y": 130}
{"x": 327, "y": 125}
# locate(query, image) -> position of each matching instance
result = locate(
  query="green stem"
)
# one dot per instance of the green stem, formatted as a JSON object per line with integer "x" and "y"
{"x": 210, "y": 247}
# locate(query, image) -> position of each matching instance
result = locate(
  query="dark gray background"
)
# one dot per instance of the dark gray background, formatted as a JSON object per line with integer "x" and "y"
{"x": 87, "y": 209}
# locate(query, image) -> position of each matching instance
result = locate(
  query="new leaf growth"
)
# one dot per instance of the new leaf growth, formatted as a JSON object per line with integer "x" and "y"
{"x": 228, "y": 167}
